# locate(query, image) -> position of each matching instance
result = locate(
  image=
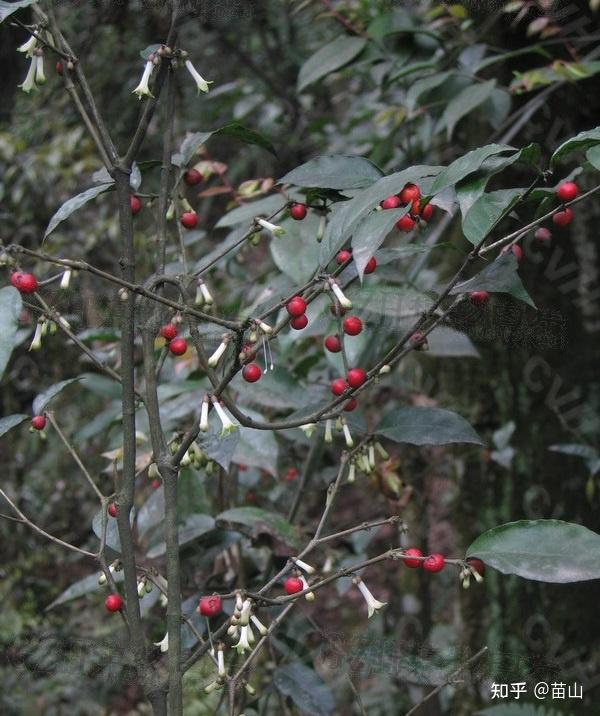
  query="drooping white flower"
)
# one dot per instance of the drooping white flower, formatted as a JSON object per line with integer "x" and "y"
{"x": 371, "y": 456}
{"x": 36, "y": 343}
{"x": 347, "y": 436}
{"x": 212, "y": 686}
{"x": 339, "y": 294}
{"x": 28, "y": 47}
{"x": 66, "y": 278}
{"x": 216, "y": 356}
{"x": 328, "y": 431}
{"x": 204, "y": 414}
{"x": 385, "y": 369}
{"x": 201, "y": 83}
{"x": 273, "y": 229}
{"x": 262, "y": 629}
{"x": 40, "y": 77}
{"x": 309, "y": 596}
{"x": 243, "y": 643}
{"x": 29, "y": 84}
{"x": 245, "y": 613}
{"x": 206, "y": 294}
{"x": 164, "y": 644}
{"x": 308, "y": 429}
{"x": 382, "y": 451}
{"x": 352, "y": 472}
{"x": 232, "y": 631}
{"x": 373, "y": 605}
{"x": 228, "y": 425}
{"x": 141, "y": 588}
{"x": 264, "y": 327}
{"x": 221, "y": 661}
{"x": 143, "y": 90}
{"x": 303, "y": 565}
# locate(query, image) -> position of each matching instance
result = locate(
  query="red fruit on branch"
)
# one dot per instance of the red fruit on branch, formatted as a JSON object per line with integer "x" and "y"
{"x": 135, "y": 204}
{"x": 293, "y": 585}
{"x": 391, "y": 202}
{"x": 169, "y": 331}
{"x": 477, "y": 564}
{"x": 296, "y": 306}
{"x": 426, "y": 212}
{"x": 178, "y": 346}
{"x": 38, "y": 422}
{"x": 405, "y": 223}
{"x": 542, "y": 234}
{"x": 343, "y": 256}
{"x": 113, "y": 603}
{"x": 515, "y": 250}
{"x": 112, "y": 509}
{"x": 563, "y": 218}
{"x": 434, "y": 563}
{"x": 410, "y": 193}
{"x": 350, "y": 405}
{"x": 193, "y": 177}
{"x": 251, "y": 373}
{"x": 156, "y": 484}
{"x": 371, "y": 265}
{"x": 352, "y": 325}
{"x": 299, "y": 322}
{"x": 210, "y": 606}
{"x": 338, "y": 386}
{"x": 24, "y": 282}
{"x": 415, "y": 208}
{"x": 298, "y": 211}
{"x": 567, "y": 191}
{"x": 333, "y": 344}
{"x": 419, "y": 341}
{"x": 356, "y": 377}
{"x": 58, "y": 67}
{"x": 413, "y": 563}
{"x": 189, "y": 219}
{"x": 479, "y": 298}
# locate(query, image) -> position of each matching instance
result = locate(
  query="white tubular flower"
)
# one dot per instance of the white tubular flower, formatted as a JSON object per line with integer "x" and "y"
{"x": 66, "y": 278}
{"x": 216, "y": 356}
{"x": 339, "y": 294}
{"x": 382, "y": 451}
{"x": 264, "y": 327}
{"x": 142, "y": 90}
{"x": 206, "y": 294}
{"x": 36, "y": 343}
{"x": 228, "y": 425}
{"x": 352, "y": 472}
{"x": 102, "y": 578}
{"x": 347, "y": 436}
{"x": 245, "y": 615}
{"x": 243, "y": 643}
{"x": 371, "y": 456}
{"x": 212, "y": 686}
{"x": 328, "y": 431}
{"x": 186, "y": 459}
{"x": 373, "y": 605}
{"x": 204, "y": 414}
{"x": 251, "y": 637}
{"x": 201, "y": 83}
{"x": 164, "y": 644}
{"x": 304, "y": 566}
{"x": 233, "y": 631}
{"x": 221, "y": 662}
{"x": 28, "y": 47}
{"x": 250, "y": 689}
{"x": 262, "y": 629}
{"x": 309, "y": 596}
{"x": 328, "y": 566}
{"x": 239, "y": 602}
{"x": 308, "y": 429}
{"x": 385, "y": 369}
{"x": 29, "y": 82}
{"x": 141, "y": 589}
{"x": 40, "y": 77}
{"x": 273, "y": 229}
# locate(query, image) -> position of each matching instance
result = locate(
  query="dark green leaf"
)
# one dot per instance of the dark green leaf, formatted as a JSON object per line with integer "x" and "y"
{"x": 72, "y": 205}
{"x": 464, "y": 102}
{"x": 593, "y": 156}
{"x": 296, "y": 253}
{"x": 499, "y": 277}
{"x": 305, "y": 687}
{"x": 370, "y": 234}
{"x": 7, "y": 8}
{"x": 255, "y": 521}
{"x": 41, "y": 401}
{"x": 334, "y": 171}
{"x": 427, "y": 426}
{"x": 235, "y": 130}
{"x": 587, "y": 453}
{"x": 487, "y": 211}
{"x": 542, "y": 550}
{"x": 189, "y": 147}
{"x": 83, "y": 586}
{"x": 112, "y": 531}
{"x": 463, "y": 166}
{"x": 10, "y": 308}
{"x": 444, "y": 341}
{"x": 219, "y": 448}
{"x": 151, "y": 513}
{"x": 329, "y": 58}
{"x": 247, "y": 212}
{"x": 257, "y": 448}
{"x": 583, "y": 140}
{"x": 424, "y": 85}
{"x": 11, "y": 421}
{"x": 194, "y": 526}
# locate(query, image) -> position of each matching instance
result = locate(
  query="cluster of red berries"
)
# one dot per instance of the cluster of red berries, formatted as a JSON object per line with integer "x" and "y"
{"x": 567, "y": 191}
{"x": 410, "y": 195}
{"x": 433, "y": 563}
{"x": 345, "y": 255}
{"x": 177, "y": 346}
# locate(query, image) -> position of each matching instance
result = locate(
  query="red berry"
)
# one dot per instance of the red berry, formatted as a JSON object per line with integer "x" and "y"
{"x": 426, "y": 212}
{"x": 413, "y": 563}
{"x": 563, "y": 218}
{"x": 296, "y": 306}
{"x": 542, "y": 234}
{"x": 356, "y": 377}
{"x": 135, "y": 204}
{"x": 371, "y": 265}
{"x": 299, "y": 322}
{"x": 24, "y": 282}
{"x": 410, "y": 193}
{"x": 291, "y": 474}
{"x": 338, "y": 386}
{"x": 351, "y": 405}
{"x": 298, "y": 211}
{"x": 192, "y": 177}
{"x": 343, "y": 256}
{"x": 178, "y": 346}
{"x": 419, "y": 341}
{"x": 392, "y": 202}
{"x": 333, "y": 344}
{"x": 169, "y": 331}
{"x": 38, "y": 422}
{"x": 567, "y": 191}
{"x": 337, "y": 310}
{"x": 189, "y": 219}
{"x": 251, "y": 373}
{"x": 112, "y": 509}
{"x": 434, "y": 563}
{"x": 515, "y": 250}
{"x": 113, "y": 603}
{"x": 59, "y": 68}
{"x": 479, "y": 298}
{"x": 477, "y": 564}
{"x": 293, "y": 585}
{"x": 405, "y": 223}
{"x": 352, "y": 325}
{"x": 210, "y": 606}
{"x": 415, "y": 208}
{"x": 156, "y": 484}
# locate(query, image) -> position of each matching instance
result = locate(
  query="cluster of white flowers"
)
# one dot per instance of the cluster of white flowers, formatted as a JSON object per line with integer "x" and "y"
{"x": 154, "y": 60}
{"x": 35, "y": 74}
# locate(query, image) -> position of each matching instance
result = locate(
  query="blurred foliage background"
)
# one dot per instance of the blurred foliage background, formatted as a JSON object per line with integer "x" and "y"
{"x": 421, "y": 83}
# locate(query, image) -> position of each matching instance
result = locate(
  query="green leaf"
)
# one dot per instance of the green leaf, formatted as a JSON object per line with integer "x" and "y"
{"x": 112, "y": 531}
{"x": 151, "y": 513}
{"x": 487, "y": 211}
{"x": 468, "y": 164}
{"x": 583, "y": 140}
{"x": 499, "y": 277}
{"x": 587, "y": 453}
{"x": 427, "y": 426}
{"x": 10, "y": 308}
{"x": 329, "y": 58}
{"x": 257, "y": 448}
{"x": 7, "y": 8}
{"x": 542, "y": 550}
{"x": 41, "y": 401}
{"x": 219, "y": 448}
{"x": 193, "y": 527}
{"x": 189, "y": 147}
{"x": 82, "y": 587}
{"x": 278, "y": 389}
{"x": 593, "y": 156}
{"x": 11, "y": 421}
{"x": 296, "y": 253}
{"x": 245, "y": 213}
{"x": 235, "y": 130}
{"x": 72, "y": 205}
{"x": 334, "y": 171}
{"x": 305, "y": 687}
{"x": 394, "y": 301}
{"x": 464, "y": 102}
{"x": 370, "y": 234}
{"x": 444, "y": 341}
{"x": 255, "y": 521}
{"x": 424, "y": 85}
